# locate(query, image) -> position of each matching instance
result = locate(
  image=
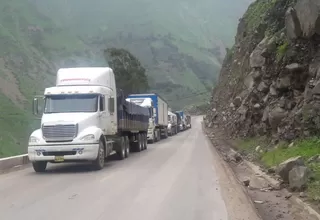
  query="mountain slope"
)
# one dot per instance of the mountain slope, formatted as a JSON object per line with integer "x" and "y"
{"x": 27, "y": 65}
{"x": 180, "y": 43}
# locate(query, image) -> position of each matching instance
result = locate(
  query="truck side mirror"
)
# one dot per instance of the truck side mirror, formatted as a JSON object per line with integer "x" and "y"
{"x": 35, "y": 106}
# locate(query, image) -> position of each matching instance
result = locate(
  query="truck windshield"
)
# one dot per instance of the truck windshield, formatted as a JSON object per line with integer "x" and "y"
{"x": 71, "y": 103}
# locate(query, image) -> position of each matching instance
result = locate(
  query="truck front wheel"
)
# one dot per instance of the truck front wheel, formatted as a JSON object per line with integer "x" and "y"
{"x": 98, "y": 163}
{"x": 39, "y": 166}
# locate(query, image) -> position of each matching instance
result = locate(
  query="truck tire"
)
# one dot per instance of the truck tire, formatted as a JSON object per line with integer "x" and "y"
{"x": 121, "y": 152}
{"x": 127, "y": 142}
{"x": 140, "y": 143}
{"x": 98, "y": 163}
{"x": 39, "y": 166}
{"x": 145, "y": 142}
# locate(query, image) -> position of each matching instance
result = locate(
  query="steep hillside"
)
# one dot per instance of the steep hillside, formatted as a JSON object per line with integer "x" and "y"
{"x": 269, "y": 83}
{"x": 31, "y": 45}
{"x": 180, "y": 43}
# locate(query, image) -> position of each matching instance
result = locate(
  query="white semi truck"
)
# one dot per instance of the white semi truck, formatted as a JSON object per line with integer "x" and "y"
{"x": 86, "y": 118}
{"x": 159, "y": 109}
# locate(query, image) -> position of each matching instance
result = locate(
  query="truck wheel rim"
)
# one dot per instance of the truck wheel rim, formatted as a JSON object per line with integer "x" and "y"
{"x": 101, "y": 158}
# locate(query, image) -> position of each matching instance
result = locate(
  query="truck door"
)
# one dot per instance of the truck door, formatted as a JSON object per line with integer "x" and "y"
{"x": 103, "y": 114}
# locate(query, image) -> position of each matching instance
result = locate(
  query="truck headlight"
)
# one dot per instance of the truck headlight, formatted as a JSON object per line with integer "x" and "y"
{"x": 33, "y": 140}
{"x": 88, "y": 137}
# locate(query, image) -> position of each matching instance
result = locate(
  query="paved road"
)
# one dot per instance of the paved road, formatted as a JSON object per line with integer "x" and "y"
{"x": 180, "y": 178}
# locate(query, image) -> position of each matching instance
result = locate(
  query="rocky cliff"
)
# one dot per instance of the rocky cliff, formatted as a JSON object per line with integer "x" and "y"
{"x": 270, "y": 80}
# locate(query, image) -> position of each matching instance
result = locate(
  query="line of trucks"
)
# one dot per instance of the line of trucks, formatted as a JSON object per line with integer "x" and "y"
{"x": 85, "y": 117}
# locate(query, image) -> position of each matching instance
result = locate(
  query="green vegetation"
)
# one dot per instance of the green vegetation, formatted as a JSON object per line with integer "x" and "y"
{"x": 180, "y": 44}
{"x": 129, "y": 73}
{"x": 306, "y": 148}
{"x": 281, "y": 51}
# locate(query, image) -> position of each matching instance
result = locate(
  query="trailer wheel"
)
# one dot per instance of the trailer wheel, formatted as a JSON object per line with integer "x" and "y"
{"x": 145, "y": 142}
{"x": 39, "y": 166}
{"x": 127, "y": 142}
{"x": 98, "y": 163}
{"x": 122, "y": 149}
{"x": 140, "y": 143}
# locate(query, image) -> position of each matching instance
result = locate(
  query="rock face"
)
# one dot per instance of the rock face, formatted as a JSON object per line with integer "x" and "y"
{"x": 269, "y": 83}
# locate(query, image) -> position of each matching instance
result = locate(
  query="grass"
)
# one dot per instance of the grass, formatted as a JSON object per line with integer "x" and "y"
{"x": 306, "y": 148}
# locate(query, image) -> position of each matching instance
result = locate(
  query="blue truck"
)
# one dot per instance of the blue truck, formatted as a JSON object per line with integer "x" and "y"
{"x": 158, "y": 121}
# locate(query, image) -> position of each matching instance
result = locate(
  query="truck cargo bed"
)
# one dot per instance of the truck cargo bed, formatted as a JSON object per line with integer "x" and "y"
{"x": 131, "y": 117}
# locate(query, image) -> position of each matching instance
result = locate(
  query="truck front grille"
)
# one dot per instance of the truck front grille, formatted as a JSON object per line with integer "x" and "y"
{"x": 59, "y": 132}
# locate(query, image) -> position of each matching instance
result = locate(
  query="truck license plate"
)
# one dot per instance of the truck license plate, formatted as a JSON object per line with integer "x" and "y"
{"x": 59, "y": 158}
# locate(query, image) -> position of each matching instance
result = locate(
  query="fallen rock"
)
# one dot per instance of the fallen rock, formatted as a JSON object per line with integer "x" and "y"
{"x": 258, "y": 202}
{"x": 302, "y": 195}
{"x": 263, "y": 87}
{"x": 288, "y": 196}
{"x": 294, "y": 67}
{"x": 237, "y": 101}
{"x": 298, "y": 177}
{"x": 285, "y": 167}
{"x": 256, "y": 58}
{"x": 234, "y": 156}
{"x": 271, "y": 170}
{"x": 246, "y": 182}
{"x": 283, "y": 83}
{"x": 258, "y": 148}
{"x": 308, "y": 14}
{"x": 275, "y": 116}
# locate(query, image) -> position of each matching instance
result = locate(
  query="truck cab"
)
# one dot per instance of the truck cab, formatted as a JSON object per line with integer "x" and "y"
{"x": 78, "y": 113}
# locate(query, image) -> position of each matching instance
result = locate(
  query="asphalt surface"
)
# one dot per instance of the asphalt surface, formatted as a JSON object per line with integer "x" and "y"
{"x": 180, "y": 178}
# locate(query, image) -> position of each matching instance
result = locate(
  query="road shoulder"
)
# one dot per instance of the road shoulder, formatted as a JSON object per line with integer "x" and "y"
{"x": 266, "y": 194}
{"x": 233, "y": 193}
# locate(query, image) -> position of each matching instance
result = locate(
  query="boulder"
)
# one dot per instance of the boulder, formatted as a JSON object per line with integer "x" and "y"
{"x": 294, "y": 67}
{"x": 263, "y": 87}
{"x": 275, "y": 116}
{"x": 292, "y": 24}
{"x": 283, "y": 83}
{"x": 298, "y": 177}
{"x": 273, "y": 91}
{"x": 256, "y": 58}
{"x": 308, "y": 14}
{"x": 285, "y": 167}
{"x": 237, "y": 101}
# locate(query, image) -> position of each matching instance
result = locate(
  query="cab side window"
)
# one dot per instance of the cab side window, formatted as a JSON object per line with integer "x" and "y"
{"x": 102, "y": 103}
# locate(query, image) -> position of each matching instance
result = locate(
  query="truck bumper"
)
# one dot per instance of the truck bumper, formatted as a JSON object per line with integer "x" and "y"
{"x": 63, "y": 153}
